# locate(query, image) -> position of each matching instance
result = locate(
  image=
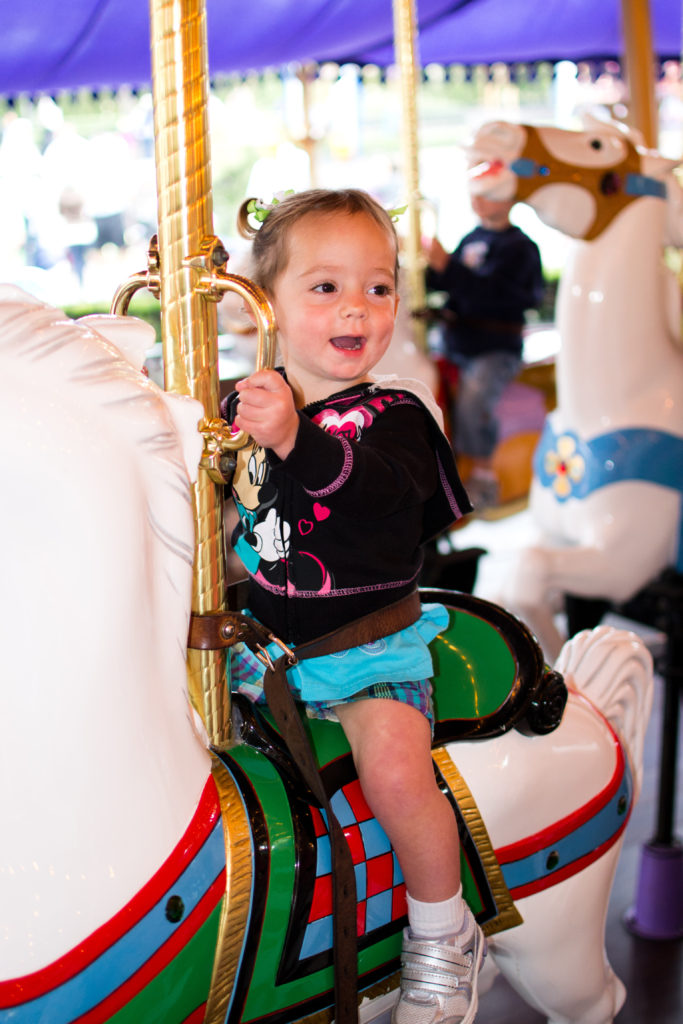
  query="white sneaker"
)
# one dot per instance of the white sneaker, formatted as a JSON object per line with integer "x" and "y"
{"x": 439, "y": 979}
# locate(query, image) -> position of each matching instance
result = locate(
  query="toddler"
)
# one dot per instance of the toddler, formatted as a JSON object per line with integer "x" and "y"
{"x": 347, "y": 477}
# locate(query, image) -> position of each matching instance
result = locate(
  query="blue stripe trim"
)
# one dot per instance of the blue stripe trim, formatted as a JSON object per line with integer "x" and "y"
{"x": 588, "y": 837}
{"x": 653, "y": 456}
{"x": 120, "y": 961}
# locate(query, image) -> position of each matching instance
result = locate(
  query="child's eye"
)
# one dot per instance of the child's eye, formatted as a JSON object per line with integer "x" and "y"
{"x": 325, "y": 287}
{"x": 381, "y": 289}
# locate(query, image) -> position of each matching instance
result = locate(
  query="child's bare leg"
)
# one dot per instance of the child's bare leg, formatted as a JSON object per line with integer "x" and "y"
{"x": 444, "y": 947}
{"x": 391, "y": 746}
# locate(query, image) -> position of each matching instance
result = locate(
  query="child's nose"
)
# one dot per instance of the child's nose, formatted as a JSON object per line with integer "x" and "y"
{"x": 354, "y": 305}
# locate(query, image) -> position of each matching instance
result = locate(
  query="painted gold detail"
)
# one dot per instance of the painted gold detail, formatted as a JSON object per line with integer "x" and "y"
{"x": 508, "y": 916}
{"x": 235, "y": 909}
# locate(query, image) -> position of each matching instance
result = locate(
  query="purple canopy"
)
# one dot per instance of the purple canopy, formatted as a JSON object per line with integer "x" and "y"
{"x": 49, "y": 47}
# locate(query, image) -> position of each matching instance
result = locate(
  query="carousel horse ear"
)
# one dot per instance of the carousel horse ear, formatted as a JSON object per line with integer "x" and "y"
{"x": 186, "y": 413}
{"x": 656, "y": 165}
{"x": 130, "y": 335}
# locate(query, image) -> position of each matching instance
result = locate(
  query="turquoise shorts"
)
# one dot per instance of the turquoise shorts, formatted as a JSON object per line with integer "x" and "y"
{"x": 417, "y": 695}
{"x": 397, "y": 667}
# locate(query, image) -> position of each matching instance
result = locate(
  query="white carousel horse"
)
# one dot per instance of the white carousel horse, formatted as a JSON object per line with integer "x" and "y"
{"x": 608, "y": 473}
{"x": 123, "y": 841}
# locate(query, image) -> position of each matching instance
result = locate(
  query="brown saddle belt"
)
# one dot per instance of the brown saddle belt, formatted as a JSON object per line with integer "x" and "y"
{"x": 220, "y": 630}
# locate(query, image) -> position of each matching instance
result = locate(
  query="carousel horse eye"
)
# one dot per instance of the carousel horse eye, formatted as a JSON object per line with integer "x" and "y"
{"x": 610, "y": 184}
{"x": 596, "y": 143}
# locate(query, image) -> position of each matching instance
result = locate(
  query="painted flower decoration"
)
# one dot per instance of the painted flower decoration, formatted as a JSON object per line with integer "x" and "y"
{"x": 565, "y": 464}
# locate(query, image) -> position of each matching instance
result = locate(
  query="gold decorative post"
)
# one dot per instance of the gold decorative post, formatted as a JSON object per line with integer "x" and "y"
{"x": 405, "y": 49}
{"x": 188, "y": 319}
{"x": 640, "y": 60}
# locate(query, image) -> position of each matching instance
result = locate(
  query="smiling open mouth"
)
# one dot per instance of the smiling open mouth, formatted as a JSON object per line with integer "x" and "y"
{"x": 348, "y": 343}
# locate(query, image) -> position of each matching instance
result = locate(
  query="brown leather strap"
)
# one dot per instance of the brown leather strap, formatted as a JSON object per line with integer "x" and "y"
{"x": 212, "y": 631}
{"x": 215, "y": 630}
{"x": 372, "y": 627}
{"x": 284, "y": 711}
{"x": 366, "y": 630}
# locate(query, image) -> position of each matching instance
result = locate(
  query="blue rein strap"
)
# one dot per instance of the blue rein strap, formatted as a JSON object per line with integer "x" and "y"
{"x": 635, "y": 184}
{"x": 641, "y": 185}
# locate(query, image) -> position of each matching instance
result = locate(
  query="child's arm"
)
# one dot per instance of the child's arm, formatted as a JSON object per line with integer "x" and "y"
{"x": 267, "y": 412}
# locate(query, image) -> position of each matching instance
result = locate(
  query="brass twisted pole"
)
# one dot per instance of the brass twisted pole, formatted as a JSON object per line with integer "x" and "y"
{"x": 188, "y": 320}
{"x": 405, "y": 49}
{"x": 187, "y": 253}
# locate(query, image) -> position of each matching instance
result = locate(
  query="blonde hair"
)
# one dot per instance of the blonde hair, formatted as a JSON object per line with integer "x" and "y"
{"x": 269, "y": 241}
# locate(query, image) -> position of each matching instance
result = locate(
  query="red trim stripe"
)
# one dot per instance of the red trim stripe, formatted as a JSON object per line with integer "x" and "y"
{"x": 197, "y": 1016}
{"x": 565, "y": 826}
{"x": 570, "y": 869}
{"x": 31, "y": 986}
{"x": 164, "y": 955}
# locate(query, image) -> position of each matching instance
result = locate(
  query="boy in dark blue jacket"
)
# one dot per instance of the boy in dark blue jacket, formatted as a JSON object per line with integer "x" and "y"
{"x": 492, "y": 278}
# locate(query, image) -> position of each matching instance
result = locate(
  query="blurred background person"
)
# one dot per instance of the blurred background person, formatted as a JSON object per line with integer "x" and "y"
{"x": 491, "y": 279}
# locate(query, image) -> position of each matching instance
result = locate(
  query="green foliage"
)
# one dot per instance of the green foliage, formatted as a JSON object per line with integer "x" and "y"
{"x": 144, "y": 306}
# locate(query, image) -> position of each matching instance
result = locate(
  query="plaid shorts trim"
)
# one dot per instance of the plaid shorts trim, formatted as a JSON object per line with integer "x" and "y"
{"x": 416, "y": 695}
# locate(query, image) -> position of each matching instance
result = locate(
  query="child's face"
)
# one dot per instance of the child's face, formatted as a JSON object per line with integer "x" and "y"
{"x": 492, "y": 213}
{"x": 335, "y": 302}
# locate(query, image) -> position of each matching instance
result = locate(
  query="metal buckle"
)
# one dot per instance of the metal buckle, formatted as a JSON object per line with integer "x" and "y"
{"x": 257, "y": 638}
{"x": 264, "y": 656}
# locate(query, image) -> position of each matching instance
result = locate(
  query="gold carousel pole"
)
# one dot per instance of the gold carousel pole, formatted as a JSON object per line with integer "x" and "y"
{"x": 405, "y": 49}
{"x": 188, "y": 320}
{"x": 640, "y": 69}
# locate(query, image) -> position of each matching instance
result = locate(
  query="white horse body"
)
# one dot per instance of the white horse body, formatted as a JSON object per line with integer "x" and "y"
{"x": 106, "y": 765}
{"x": 618, "y": 368}
{"x": 79, "y": 777}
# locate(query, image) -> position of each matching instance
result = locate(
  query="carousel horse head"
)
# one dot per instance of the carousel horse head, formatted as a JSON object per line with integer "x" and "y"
{"x": 97, "y": 540}
{"x": 577, "y": 181}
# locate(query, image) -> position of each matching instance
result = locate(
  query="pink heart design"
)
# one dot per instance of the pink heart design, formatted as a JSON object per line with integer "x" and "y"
{"x": 305, "y": 526}
{"x": 320, "y": 511}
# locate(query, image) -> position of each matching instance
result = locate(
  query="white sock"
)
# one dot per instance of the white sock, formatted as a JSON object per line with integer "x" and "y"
{"x": 436, "y": 920}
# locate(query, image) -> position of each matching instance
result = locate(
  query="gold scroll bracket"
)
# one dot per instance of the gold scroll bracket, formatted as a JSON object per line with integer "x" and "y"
{"x": 212, "y": 282}
{"x": 149, "y": 279}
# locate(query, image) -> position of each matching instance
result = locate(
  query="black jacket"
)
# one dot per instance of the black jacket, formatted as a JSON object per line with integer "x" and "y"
{"x": 335, "y": 530}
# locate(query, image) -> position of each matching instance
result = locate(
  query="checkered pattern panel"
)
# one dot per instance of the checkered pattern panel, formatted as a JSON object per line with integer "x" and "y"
{"x": 379, "y": 883}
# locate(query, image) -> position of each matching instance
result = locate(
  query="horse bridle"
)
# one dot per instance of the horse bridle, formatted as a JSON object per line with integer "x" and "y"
{"x": 614, "y": 187}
